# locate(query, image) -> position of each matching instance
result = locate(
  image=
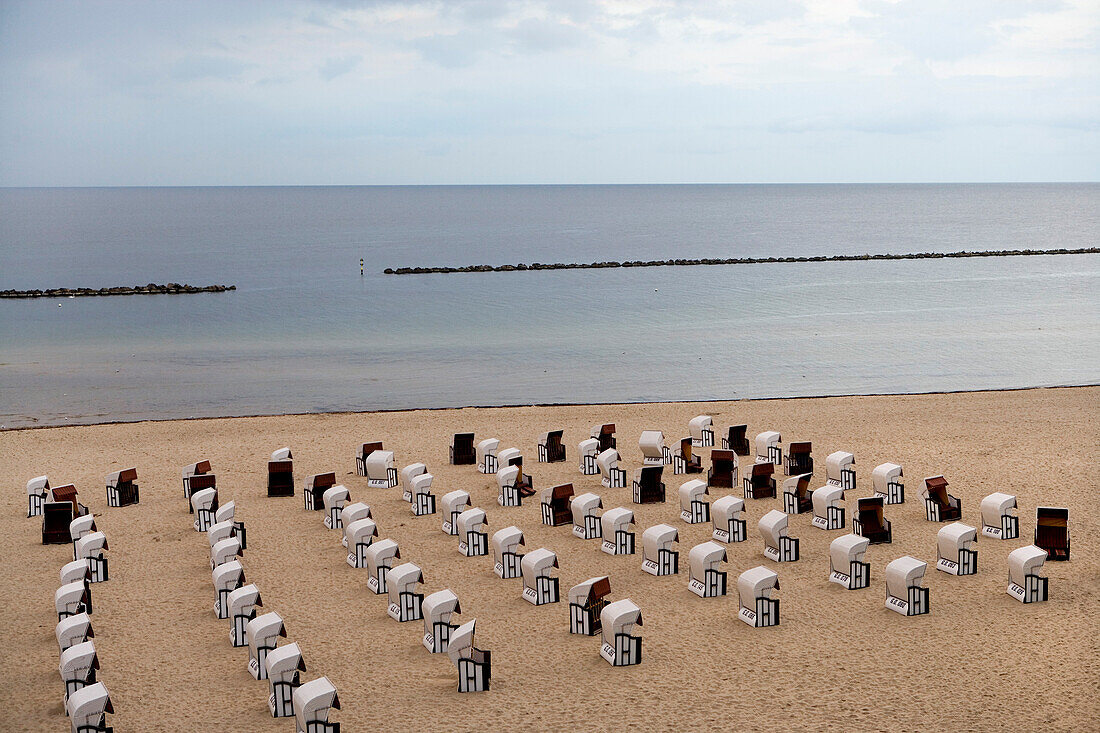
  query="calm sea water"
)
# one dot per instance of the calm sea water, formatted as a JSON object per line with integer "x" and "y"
{"x": 305, "y": 332}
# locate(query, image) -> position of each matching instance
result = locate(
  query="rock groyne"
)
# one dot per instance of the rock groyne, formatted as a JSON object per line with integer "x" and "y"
{"x": 150, "y": 289}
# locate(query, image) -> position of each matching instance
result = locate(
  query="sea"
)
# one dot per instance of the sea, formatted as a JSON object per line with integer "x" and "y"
{"x": 305, "y": 331}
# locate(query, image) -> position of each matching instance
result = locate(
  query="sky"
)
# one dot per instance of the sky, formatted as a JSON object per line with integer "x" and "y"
{"x": 341, "y": 92}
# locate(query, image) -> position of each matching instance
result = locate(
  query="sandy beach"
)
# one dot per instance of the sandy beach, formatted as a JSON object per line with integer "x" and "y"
{"x": 839, "y": 660}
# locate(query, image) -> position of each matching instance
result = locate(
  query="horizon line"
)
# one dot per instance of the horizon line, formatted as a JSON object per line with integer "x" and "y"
{"x": 552, "y": 185}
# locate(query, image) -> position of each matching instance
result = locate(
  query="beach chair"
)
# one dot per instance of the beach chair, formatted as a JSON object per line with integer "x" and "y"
{"x": 60, "y": 507}
{"x": 757, "y": 608}
{"x": 506, "y": 556}
{"x": 381, "y": 473}
{"x": 586, "y": 601}
{"x": 956, "y": 549}
{"x": 701, "y": 429}
{"x": 486, "y": 454}
{"x": 262, "y": 634}
{"x": 1024, "y": 582}
{"x": 380, "y": 556}
{"x": 648, "y": 487}
{"x": 454, "y": 503}
{"x": 78, "y": 667}
{"x": 122, "y": 488}
{"x": 90, "y": 548}
{"x": 694, "y": 508}
{"x": 1052, "y": 531}
{"x": 846, "y": 566}
{"x": 439, "y": 608}
{"x": 473, "y": 540}
{"x": 704, "y": 560}
{"x": 314, "y": 493}
{"x": 88, "y": 708}
{"x": 588, "y": 449}
{"x": 352, "y": 513}
{"x": 586, "y": 522}
{"x": 37, "y": 490}
{"x": 905, "y": 593}
{"x": 654, "y": 450}
{"x": 555, "y": 504}
{"x": 243, "y": 603}
{"x": 539, "y": 587}
{"x": 619, "y": 647}
{"x": 227, "y": 577}
{"x": 188, "y": 472}
{"x": 405, "y": 478}
{"x": 723, "y": 469}
{"x": 474, "y": 665}
{"x": 799, "y": 458}
{"x": 736, "y": 441}
{"x": 828, "y": 510}
{"x": 76, "y": 571}
{"x": 283, "y": 666}
{"x": 204, "y": 503}
{"x": 839, "y": 470}
{"x": 72, "y": 598}
{"x": 658, "y": 557}
{"x": 314, "y": 701}
{"x": 999, "y": 519}
{"x": 551, "y": 449}
{"x": 684, "y": 459}
{"x": 760, "y": 484}
{"x": 611, "y": 475}
{"x": 73, "y": 629}
{"x": 939, "y": 506}
{"x": 778, "y": 546}
{"x": 224, "y": 550}
{"x": 797, "y": 495}
{"x": 871, "y": 523}
{"x": 360, "y": 535}
{"x": 401, "y": 584}
{"x": 768, "y": 448}
{"x": 363, "y": 454}
{"x": 423, "y": 501}
{"x": 280, "y": 473}
{"x": 513, "y": 485}
{"x": 79, "y": 527}
{"x": 606, "y": 435}
{"x": 615, "y": 528}
{"x": 334, "y": 499}
{"x": 462, "y": 450}
{"x": 728, "y": 525}
{"x": 887, "y": 482}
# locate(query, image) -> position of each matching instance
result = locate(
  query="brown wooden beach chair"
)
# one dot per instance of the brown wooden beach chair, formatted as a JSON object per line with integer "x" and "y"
{"x": 316, "y": 486}
{"x": 122, "y": 488}
{"x": 462, "y": 450}
{"x": 723, "y": 471}
{"x": 551, "y": 449}
{"x": 558, "y": 511}
{"x": 280, "y": 474}
{"x": 606, "y": 437}
{"x": 871, "y": 523}
{"x": 1052, "y": 531}
{"x": 648, "y": 487}
{"x": 799, "y": 458}
{"x": 761, "y": 484}
{"x": 939, "y": 505}
{"x": 800, "y": 500}
{"x": 685, "y": 460}
{"x": 736, "y": 441}
{"x": 58, "y": 514}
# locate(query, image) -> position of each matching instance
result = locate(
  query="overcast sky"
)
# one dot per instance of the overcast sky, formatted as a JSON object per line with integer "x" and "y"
{"x": 568, "y": 91}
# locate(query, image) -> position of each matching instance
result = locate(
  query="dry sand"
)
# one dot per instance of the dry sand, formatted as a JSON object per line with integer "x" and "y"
{"x": 840, "y": 660}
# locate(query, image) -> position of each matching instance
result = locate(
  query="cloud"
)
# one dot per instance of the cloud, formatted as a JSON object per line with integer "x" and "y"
{"x": 338, "y": 66}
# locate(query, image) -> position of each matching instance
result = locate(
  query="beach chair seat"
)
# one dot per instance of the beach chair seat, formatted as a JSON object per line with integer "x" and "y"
{"x": 615, "y": 528}
{"x": 648, "y": 487}
{"x": 439, "y": 609}
{"x": 736, "y": 440}
{"x": 73, "y": 629}
{"x": 797, "y": 497}
{"x": 707, "y": 580}
{"x": 870, "y": 522}
{"x": 611, "y": 476}
{"x": 757, "y": 608}
{"x": 513, "y": 486}
{"x": 90, "y": 548}
{"x": 315, "y": 488}
{"x": 556, "y": 510}
{"x": 405, "y": 478}
{"x": 905, "y": 593}
{"x": 243, "y": 603}
{"x": 280, "y": 473}
{"x": 379, "y": 557}
{"x": 59, "y": 509}
{"x": 685, "y": 460}
{"x": 728, "y": 524}
{"x": 957, "y": 549}
{"x": 846, "y": 565}
{"x": 760, "y": 484}
{"x": 473, "y": 540}
{"x": 507, "y": 559}
{"x": 401, "y": 585}
{"x": 550, "y": 447}
{"x": 486, "y": 452}
{"x": 653, "y": 448}
{"x": 778, "y": 545}
{"x": 474, "y": 665}
{"x": 353, "y": 513}
{"x": 1024, "y": 582}
{"x": 423, "y": 501}
{"x": 828, "y": 509}
{"x": 380, "y": 471}
{"x": 658, "y": 557}
{"x": 204, "y": 504}
{"x": 362, "y": 454}
{"x": 619, "y": 647}
{"x": 539, "y": 586}
{"x": 283, "y": 667}
{"x": 462, "y": 451}
{"x": 588, "y": 449}
{"x": 768, "y": 447}
{"x": 586, "y": 601}
{"x": 262, "y": 635}
{"x": 887, "y": 481}
{"x": 88, "y": 708}
{"x": 37, "y": 490}
{"x": 840, "y": 470}
{"x": 454, "y": 503}
{"x": 122, "y": 488}
{"x": 723, "y": 469}
{"x": 334, "y": 499}
{"x": 999, "y": 519}
{"x": 940, "y": 506}
{"x": 799, "y": 458}
{"x": 73, "y": 598}
{"x": 227, "y": 577}
{"x": 694, "y": 507}
{"x": 586, "y": 522}
{"x": 606, "y": 435}
{"x": 1052, "y": 531}
{"x": 188, "y": 473}
{"x": 314, "y": 701}
{"x": 701, "y": 429}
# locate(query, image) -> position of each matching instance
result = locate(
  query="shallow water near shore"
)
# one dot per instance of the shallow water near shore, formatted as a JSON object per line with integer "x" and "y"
{"x": 305, "y": 332}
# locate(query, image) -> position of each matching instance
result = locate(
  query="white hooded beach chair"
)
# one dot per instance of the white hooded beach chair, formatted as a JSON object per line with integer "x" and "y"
{"x": 73, "y": 629}
{"x": 474, "y": 665}
{"x": 262, "y": 634}
{"x": 551, "y": 449}
{"x": 72, "y": 598}
{"x": 754, "y": 593}
{"x": 407, "y": 474}
{"x": 81, "y": 526}
{"x": 729, "y": 526}
{"x": 334, "y": 500}
{"x": 486, "y": 453}
{"x": 555, "y": 502}
{"x": 704, "y": 560}
{"x": 846, "y": 565}
{"x": 999, "y": 519}
{"x": 439, "y": 608}
{"x": 225, "y": 550}
{"x": 586, "y": 522}
{"x": 122, "y": 488}
{"x": 694, "y": 508}
{"x": 828, "y": 507}
{"x": 78, "y": 667}
{"x": 701, "y": 429}
{"x": 363, "y": 453}
{"x": 219, "y": 531}
{"x": 37, "y": 489}
{"x": 353, "y": 513}
{"x": 1024, "y": 582}
{"x": 618, "y": 646}
{"x": 957, "y": 549}
{"x": 401, "y": 584}
{"x": 586, "y": 601}
{"x": 91, "y": 547}
{"x": 380, "y": 556}
{"x": 423, "y": 501}
{"x": 313, "y": 703}
{"x": 905, "y": 593}
{"x": 204, "y": 503}
{"x": 360, "y": 535}
{"x": 280, "y": 473}
{"x": 768, "y": 448}
{"x": 839, "y": 470}
{"x": 227, "y": 512}
{"x": 454, "y": 503}
{"x": 506, "y": 556}
{"x": 510, "y": 485}
{"x": 539, "y": 587}
{"x": 654, "y": 450}
{"x": 283, "y": 667}
{"x": 778, "y": 546}
{"x": 76, "y": 571}
{"x": 243, "y": 603}
{"x": 473, "y": 541}
{"x": 611, "y": 475}
{"x": 381, "y": 473}
{"x": 87, "y": 709}
{"x": 227, "y": 578}
{"x": 658, "y": 557}
{"x": 588, "y": 449}
{"x": 615, "y": 528}
{"x": 886, "y": 479}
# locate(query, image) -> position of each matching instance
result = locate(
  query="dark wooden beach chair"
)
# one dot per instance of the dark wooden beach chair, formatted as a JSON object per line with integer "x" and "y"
{"x": 553, "y": 450}
{"x": 648, "y": 487}
{"x": 558, "y": 511}
{"x": 606, "y": 437}
{"x": 871, "y": 523}
{"x": 736, "y": 441}
{"x": 1052, "y": 531}
{"x": 280, "y": 478}
{"x": 723, "y": 471}
{"x": 939, "y": 505}
{"x": 685, "y": 460}
{"x": 800, "y": 500}
{"x": 799, "y": 459}
{"x": 58, "y": 514}
{"x": 462, "y": 450}
{"x": 316, "y": 486}
{"x": 122, "y": 488}
{"x": 761, "y": 483}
